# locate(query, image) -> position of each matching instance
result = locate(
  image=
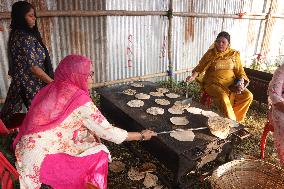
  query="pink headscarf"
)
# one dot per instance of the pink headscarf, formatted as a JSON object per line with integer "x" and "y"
{"x": 57, "y": 100}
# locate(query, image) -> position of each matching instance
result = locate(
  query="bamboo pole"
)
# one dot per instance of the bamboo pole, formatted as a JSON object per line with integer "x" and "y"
{"x": 139, "y": 78}
{"x": 96, "y": 85}
{"x": 253, "y": 16}
{"x": 77, "y": 13}
{"x": 233, "y": 16}
{"x": 170, "y": 17}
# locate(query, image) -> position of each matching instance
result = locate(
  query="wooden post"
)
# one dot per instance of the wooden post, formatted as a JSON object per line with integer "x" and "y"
{"x": 170, "y": 17}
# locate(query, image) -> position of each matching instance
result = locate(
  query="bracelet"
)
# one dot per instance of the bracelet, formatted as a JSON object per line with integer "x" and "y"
{"x": 142, "y": 136}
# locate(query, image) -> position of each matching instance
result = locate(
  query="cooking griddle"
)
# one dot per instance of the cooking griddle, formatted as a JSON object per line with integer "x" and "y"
{"x": 179, "y": 156}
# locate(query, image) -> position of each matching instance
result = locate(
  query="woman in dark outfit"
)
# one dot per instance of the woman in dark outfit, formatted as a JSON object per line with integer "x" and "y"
{"x": 30, "y": 68}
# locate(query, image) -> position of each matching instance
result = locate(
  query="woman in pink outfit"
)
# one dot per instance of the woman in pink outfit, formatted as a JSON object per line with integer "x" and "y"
{"x": 276, "y": 95}
{"x": 58, "y": 143}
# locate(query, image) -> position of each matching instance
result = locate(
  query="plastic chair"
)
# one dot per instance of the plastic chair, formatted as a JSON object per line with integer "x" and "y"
{"x": 8, "y": 174}
{"x": 267, "y": 128}
{"x": 206, "y": 99}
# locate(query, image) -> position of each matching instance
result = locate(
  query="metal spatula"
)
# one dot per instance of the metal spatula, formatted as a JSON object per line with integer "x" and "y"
{"x": 180, "y": 130}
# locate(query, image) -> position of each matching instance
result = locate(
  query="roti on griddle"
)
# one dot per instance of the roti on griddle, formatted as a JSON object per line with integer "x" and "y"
{"x": 179, "y": 120}
{"x": 155, "y": 111}
{"x": 158, "y": 94}
{"x": 172, "y": 95}
{"x": 179, "y": 105}
{"x": 135, "y": 103}
{"x": 220, "y": 126}
{"x": 186, "y": 135}
{"x": 162, "y": 102}
{"x": 175, "y": 111}
{"x": 138, "y": 85}
{"x": 129, "y": 92}
{"x": 209, "y": 113}
{"x": 177, "y": 108}
{"x": 142, "y": 96}
{"x": 194, "y": 110}
{"x": 162, "y": 90}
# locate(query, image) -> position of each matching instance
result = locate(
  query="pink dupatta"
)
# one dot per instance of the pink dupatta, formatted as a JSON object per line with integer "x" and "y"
{"x": 58, "y": 99}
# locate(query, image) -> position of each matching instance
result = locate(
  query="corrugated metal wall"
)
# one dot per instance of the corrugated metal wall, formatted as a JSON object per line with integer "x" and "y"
{"x": 130, "y": 46}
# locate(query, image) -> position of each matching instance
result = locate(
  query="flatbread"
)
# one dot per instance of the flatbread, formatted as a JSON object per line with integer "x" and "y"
{"x": 172, "y": 95}
{"x": 129, "y": 92}
{"x": 175, "y": 111}
{"x": 138, "y": 85}
{"x": 183, "y": 135}
{"x": 220, "y": 126}
{"x": 158, "y": 94}
{"x": 179, "y": 105}
{"x": 162, "y": 102}
{"x": 150, "y": 180}
{"x": 179, "y": 120}
{"x": 209, "y": 113}
{"x": 142, "y": 96}
{"x": 158, "y": 187}
{"x": 134, "y": 174}
{"x": 148, "y": 167}
{"x": 162, "y": 90}
{"x": 194, "y": 110}
{"x": 155, "y": 111}
{"x": 135, "y": 103}
{"x": 117, "y": 166}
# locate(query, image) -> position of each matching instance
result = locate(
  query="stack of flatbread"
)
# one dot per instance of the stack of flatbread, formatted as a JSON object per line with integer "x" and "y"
{"x": 220, "y": 126}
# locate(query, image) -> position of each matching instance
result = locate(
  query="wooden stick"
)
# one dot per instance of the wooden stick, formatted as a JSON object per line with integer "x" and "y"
{"x": 57, "y": 13}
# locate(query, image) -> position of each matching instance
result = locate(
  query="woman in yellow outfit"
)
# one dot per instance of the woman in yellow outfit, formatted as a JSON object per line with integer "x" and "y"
{"x": 222, "y": 69}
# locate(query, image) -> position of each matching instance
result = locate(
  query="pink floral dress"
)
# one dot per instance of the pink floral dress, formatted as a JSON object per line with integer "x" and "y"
{"x": 74, "y": 136}
{"x": 276, "y": 89}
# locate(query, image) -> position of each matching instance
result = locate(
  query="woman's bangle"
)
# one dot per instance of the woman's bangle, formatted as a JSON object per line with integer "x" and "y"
{"x": 142, "y": 136}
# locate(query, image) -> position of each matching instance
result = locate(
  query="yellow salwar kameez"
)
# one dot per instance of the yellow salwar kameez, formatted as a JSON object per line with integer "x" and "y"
{"x": 219, "y": 70}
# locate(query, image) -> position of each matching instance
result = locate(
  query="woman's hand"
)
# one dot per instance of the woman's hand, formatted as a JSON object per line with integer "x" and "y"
{"x": 192, "y": 77}
{"x": 143, "y": 135}
{"x": 38, "y": 72}
{"x": 147, "y": 134}
{"x": 240, "y": 85}
{"x": 279, "y": 106}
